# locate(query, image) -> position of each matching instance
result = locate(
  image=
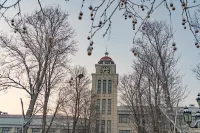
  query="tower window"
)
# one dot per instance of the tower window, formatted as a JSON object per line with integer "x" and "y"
{"x": 123, "y": 118}
{"x": 104, "y": 86}
{"x": 109, "y": 86}
{"x": 109, "y": 126}
{"x": 102, "y": 126}
{"x": 5, "y": 130}
{"x": 99, "y": 87}
{"x": 98, "y": 105}
{"x": 97, "y": 126}
{"x": 19, "y": 130}
{"x": 103, "y": 106}
{"x": 124, "y": 131}
{"x": 35, "y": 130}
{"x": 52, "y": 130}
{"x": 109, "y": 106}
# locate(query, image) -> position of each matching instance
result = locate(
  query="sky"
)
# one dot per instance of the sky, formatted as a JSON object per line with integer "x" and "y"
{"x": 118, "y": 45}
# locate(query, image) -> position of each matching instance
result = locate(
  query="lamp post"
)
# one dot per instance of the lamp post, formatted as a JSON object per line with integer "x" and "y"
{"x": 188, "y": 115}
{"x": 198, "y": 99}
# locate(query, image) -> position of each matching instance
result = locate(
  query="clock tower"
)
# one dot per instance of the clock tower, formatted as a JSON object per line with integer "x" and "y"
{"x": 104, "y": 85}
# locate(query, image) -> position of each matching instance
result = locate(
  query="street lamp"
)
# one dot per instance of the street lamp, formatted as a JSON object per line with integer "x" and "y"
{"x": 198, "y": 99}
{"x": 188, "y": 115}
{"x": 197, "y": 115}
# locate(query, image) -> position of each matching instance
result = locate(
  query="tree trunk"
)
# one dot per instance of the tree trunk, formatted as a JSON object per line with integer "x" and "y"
{"x": 29, "y": 113}
{"x": 74, "y": 126}
{"x": 45, "y": 112}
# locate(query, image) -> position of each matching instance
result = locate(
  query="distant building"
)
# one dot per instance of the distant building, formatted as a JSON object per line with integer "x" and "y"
{"x": 13, "y": 124}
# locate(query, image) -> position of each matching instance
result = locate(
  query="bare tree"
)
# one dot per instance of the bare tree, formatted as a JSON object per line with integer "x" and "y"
{"x": 154, "y": 49}
{"x": 50, "y": 110}
{"x": 77, "y": 91}
{"x": 89, "y": 113}
{"x": 132, "y": 97}
{"x": 157, "y": 83}
{"x": 36, "y": 57}
{"x": 197, "y": 71}
{"x": 138, "y": 11}
{"x": 196, "y": 21}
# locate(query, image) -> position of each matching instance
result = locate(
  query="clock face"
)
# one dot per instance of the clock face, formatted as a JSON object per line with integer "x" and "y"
{"x": 105, "y": 69}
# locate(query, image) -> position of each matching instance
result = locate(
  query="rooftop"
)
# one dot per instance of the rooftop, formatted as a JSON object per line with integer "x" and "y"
{"x": 106, "y": 59}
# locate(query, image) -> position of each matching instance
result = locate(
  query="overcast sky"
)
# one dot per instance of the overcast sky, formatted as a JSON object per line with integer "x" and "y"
{"x": 118, "y": 45}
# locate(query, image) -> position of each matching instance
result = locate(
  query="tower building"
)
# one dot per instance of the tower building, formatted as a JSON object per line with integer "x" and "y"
{"x": 104, "y": 85}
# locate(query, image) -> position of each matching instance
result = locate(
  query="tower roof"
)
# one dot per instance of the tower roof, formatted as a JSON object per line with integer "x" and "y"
{"x": 106, "y": 59}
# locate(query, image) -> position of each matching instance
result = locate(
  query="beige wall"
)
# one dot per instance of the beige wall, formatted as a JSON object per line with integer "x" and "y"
{"x": 115, "y": 125}
{"x": 113, "y": 96}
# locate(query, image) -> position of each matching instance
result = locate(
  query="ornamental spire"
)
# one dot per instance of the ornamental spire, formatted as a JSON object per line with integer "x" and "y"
{"x": 106, "y": 53}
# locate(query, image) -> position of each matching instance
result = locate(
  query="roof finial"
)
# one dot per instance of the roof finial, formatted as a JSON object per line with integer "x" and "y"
{"x": 106, "y": 53}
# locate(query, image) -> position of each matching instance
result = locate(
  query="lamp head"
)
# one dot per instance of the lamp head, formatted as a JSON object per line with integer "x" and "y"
{"x": 187, "y": 115}
{"x": 198, "y": 99}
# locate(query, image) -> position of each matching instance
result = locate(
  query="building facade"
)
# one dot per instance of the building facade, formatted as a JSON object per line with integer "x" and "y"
{"x": 14, "y": 124}
{"x": 104, "y": 85}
